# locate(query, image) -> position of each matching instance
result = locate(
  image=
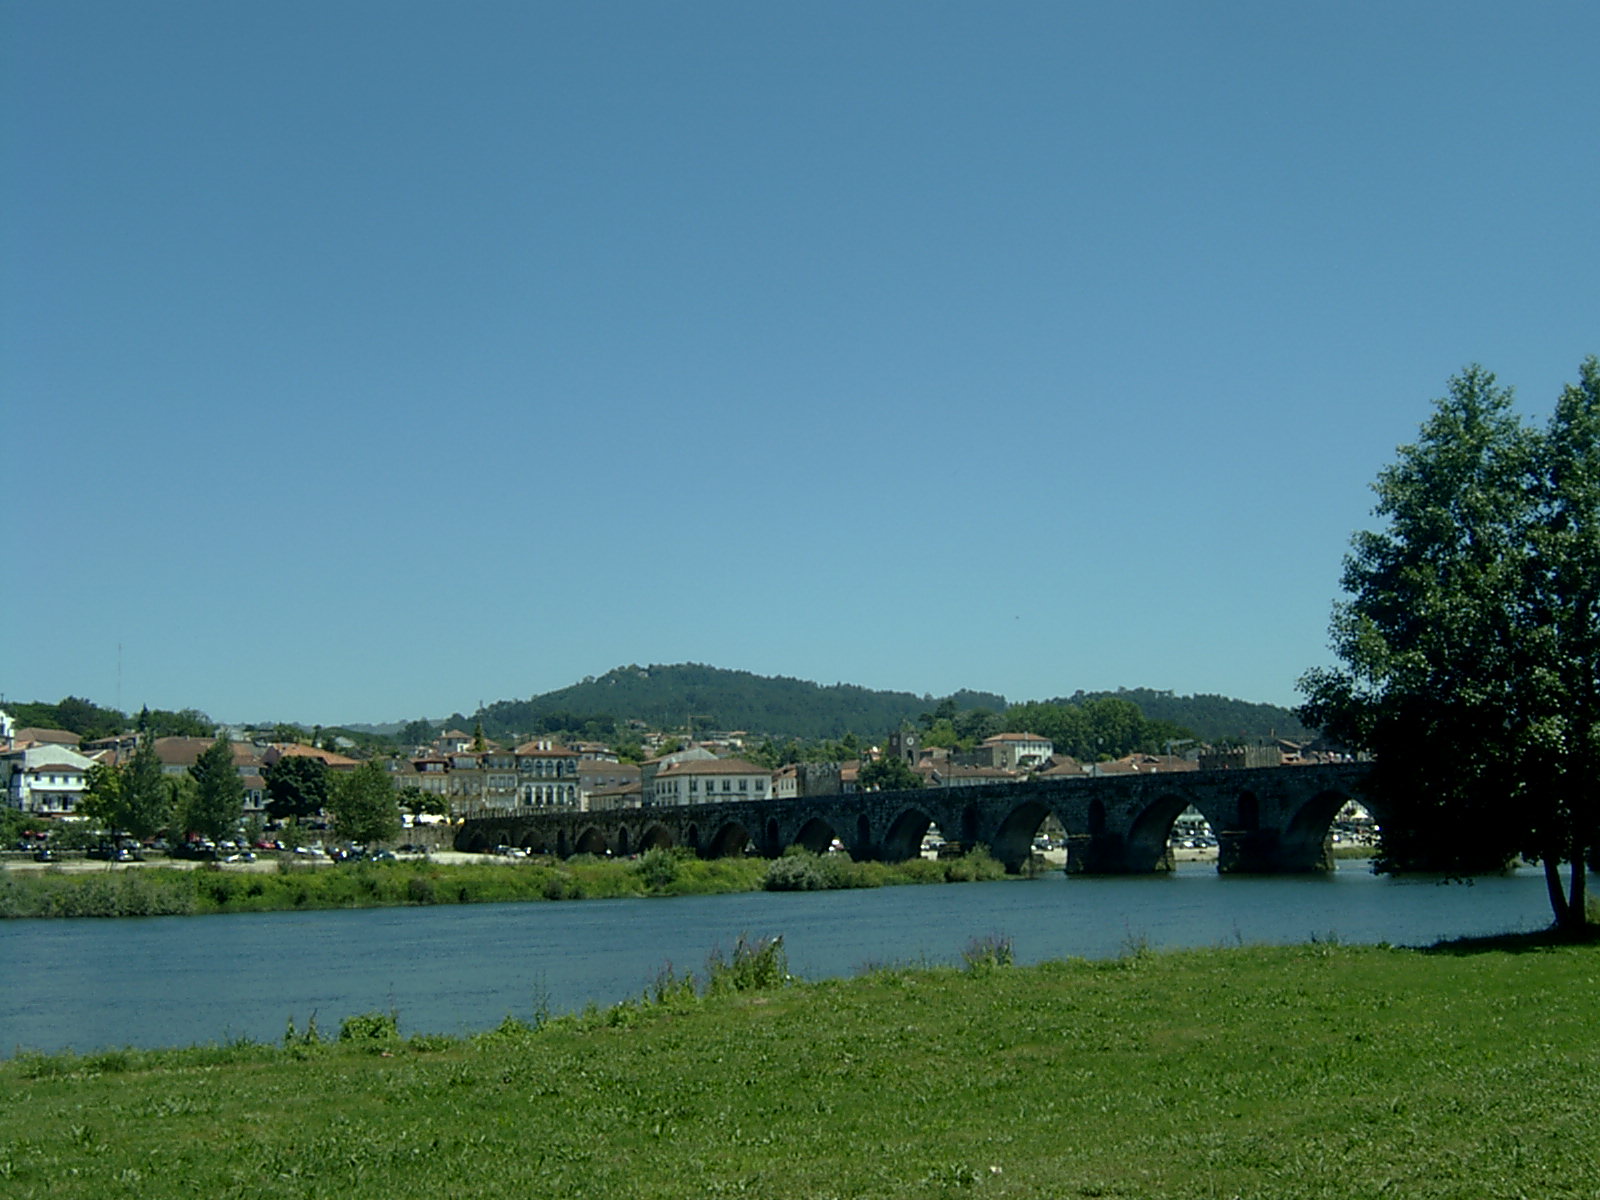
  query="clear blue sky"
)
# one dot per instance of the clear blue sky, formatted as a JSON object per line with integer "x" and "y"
{"x": 365, "y": 360}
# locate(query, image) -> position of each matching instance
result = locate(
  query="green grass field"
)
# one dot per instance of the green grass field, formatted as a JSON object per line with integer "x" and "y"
{"x": 1314, "y": 1071}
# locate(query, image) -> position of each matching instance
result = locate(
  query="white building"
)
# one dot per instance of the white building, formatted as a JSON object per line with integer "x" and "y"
{"x": 45, "y": 780}
{"x": 1019, "y": 751}
{"x": 710, "y": 781}
{"x": 547, "y": 775}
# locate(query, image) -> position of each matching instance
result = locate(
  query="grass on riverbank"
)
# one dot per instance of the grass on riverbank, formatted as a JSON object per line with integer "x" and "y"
{"x": 156, "y": 891}
{"x": 1313, "y": 1071}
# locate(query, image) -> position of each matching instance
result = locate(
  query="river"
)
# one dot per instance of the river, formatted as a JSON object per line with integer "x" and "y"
{"x": 172, "y": 981}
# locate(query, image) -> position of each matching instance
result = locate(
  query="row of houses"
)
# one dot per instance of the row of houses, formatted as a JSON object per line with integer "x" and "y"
{"x": 45, "y": 772}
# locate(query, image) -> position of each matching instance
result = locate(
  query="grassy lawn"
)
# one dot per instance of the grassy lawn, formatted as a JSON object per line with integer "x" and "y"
{"x": 1316, "y": 1071}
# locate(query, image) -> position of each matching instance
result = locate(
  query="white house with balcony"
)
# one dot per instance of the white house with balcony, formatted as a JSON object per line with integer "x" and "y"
{"x": 47, "y": 781}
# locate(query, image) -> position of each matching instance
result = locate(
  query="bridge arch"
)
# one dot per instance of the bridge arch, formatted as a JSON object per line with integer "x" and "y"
{"x": 1012, "y": 843}
{"x": 1148, "y": 846}
{"x": 624, "y": 843}
{"x": 904, "y": 837}
{"x": 729, "y": 841}
{"x": 656, "y": 837}
{"x": 816, "y": 835}
{"x": 591, "y": 841}
{"x": 1307, "y": 839}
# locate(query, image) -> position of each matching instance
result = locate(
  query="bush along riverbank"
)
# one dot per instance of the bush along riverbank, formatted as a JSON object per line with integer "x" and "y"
{"x": 1288, "y": 1073}
{"x": 156, "y": 891}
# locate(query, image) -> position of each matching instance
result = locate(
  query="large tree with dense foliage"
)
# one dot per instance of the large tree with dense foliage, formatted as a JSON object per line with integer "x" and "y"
{"x": 218, "y": 800}
{"x": 297, "y": 787}
{"x": 1471, "y": 640}
{"x": 133, "y": 798}
{"x": 364, "y": 806}
{"x": 887, "y": 774}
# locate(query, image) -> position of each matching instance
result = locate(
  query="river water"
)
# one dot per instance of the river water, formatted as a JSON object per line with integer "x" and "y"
{"x": 175, "y": 981}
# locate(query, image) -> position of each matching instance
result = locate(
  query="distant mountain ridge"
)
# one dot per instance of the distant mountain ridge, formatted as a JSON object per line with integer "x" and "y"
{"x": 681, "y": 695}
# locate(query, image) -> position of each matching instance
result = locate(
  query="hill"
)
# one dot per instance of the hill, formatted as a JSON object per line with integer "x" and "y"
{"x": 1210, "y": 718}
{"x": 678, "y": 695}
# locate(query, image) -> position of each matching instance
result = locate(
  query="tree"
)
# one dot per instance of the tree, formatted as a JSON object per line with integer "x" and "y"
{"x": 132, "y": 799}
{"x": 1470, "y": 640}
{"x": 297, "y": 787}
{"x": 189, "y": 722}
{"x": 417, "y": 802}
{"x": 219, "y": 792}
{"x": 1561, "y": 755}
{"x": 363, "y": 805}
{"x": 888, "y": 774}
{"x": 416, "y": 733}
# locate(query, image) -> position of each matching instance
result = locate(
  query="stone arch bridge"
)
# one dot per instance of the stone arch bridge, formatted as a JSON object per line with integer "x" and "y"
{"x": 1269, "y": 820}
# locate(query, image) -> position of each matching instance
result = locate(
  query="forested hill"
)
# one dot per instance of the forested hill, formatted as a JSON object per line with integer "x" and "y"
{"x": 1209, "y": 717}
{"x": 671, "y": 697}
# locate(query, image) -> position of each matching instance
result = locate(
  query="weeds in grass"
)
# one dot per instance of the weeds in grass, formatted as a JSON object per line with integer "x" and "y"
{"x": 987, "y": 953}
{"x": 1136, "y": 948}
{"x": 309, "y": 1036}
{"x": 671, "y": 990}
{"x": 756, "y": 964}
{"x": 370, "y": 1027}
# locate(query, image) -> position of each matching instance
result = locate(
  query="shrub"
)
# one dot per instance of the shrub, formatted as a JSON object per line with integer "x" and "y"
{"x": 756, "y": 964}
{"x": 988, "y": 953}
{"x": 370, "y": 1027}
{"x": 794, "y": 873}
{"x": 658, "y": 868}
{"x": 671, "y": 990}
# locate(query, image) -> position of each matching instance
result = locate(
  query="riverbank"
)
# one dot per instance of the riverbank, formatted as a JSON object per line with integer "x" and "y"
{"x": 97, "y": 889}
{"x": 1311, "y": 1071}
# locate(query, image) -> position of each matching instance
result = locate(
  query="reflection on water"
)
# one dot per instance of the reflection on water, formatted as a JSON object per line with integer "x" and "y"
{"x": 89, "y": 984}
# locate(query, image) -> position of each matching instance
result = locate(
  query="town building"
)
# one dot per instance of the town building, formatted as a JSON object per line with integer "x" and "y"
{"x": 178, "y": 755}
{"x": 547, "y": 775}
{"x": 608, "y": 776}
{"x": 1018, "y": 751}
{"x": 709, "y": 781}
{"x": 44, "y": 780}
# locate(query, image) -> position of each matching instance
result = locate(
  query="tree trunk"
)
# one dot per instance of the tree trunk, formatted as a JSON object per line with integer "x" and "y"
{"x": 1577, "y": 901}
{"x": 1558, "y": 895}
